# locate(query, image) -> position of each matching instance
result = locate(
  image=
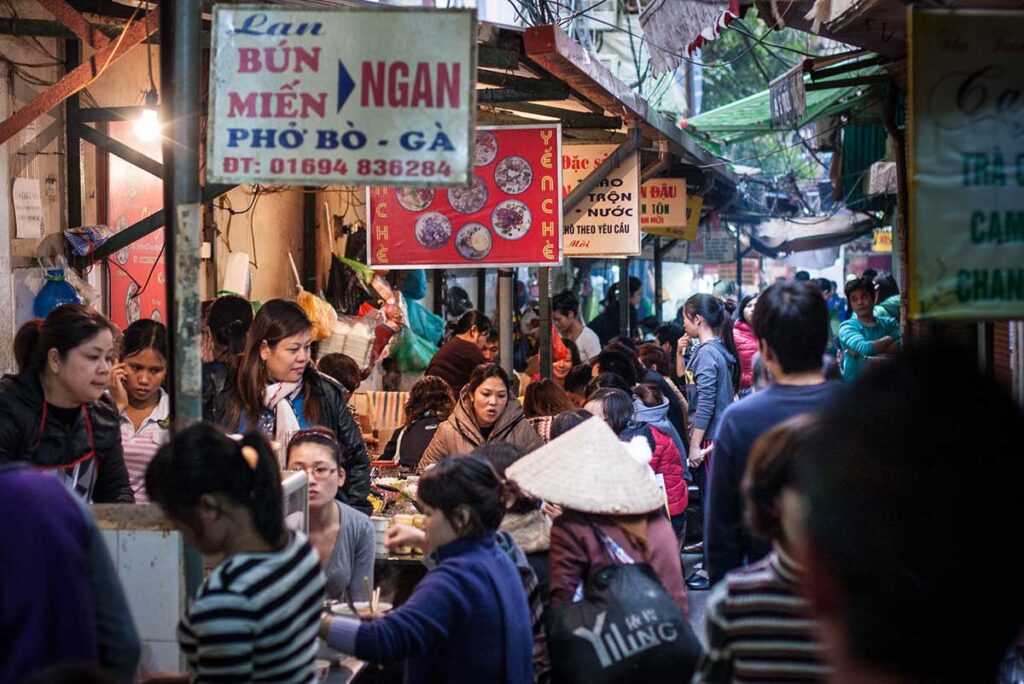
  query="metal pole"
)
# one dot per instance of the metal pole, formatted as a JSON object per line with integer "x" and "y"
{"x": 544, "y": 334}
{"x": 658, "y": 278}
{"x": 73, "y": 57}
{"x": 739, "y": 267}
{"x": 624, "y": 327}
{"x": 179, "y": 92}
{"x": 505, "y": 286}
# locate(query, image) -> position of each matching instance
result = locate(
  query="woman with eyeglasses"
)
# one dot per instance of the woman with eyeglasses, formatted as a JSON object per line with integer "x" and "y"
{"x": 342, "y": 536}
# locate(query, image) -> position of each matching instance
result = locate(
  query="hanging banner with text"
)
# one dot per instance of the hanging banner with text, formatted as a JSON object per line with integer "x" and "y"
{"x": 607, "y": 222}
{"x": 967, "y": 165}
{"x": 712, "y": 247}
{"x": 663, "y": 207}
{"x": 509, "y": 215}
{"x": 327, "y": 97}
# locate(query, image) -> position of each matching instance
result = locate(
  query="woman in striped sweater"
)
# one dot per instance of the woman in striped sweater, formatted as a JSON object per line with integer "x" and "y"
{"x": 144, "y": 408}
{"x": 255, "y": 618}
{"x": 757, "y": 623}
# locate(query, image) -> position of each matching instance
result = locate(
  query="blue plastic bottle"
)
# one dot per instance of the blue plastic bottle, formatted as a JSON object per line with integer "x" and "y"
{"x": 55, "y": 292}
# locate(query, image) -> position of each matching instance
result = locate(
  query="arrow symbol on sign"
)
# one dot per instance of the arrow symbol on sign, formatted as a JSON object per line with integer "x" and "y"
{"x": 345, "y": 85}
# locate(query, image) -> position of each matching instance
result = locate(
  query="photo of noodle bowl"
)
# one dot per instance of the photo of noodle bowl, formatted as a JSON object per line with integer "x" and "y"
{"x": 433, "y": 230}
{"x": 513, "y": 175}
{"x": 473, "y": 241}
{"x": 485, "y": 149}
{"x": 469, "y": 199}
{"x": 415, "y": 199}
{"x": 511, "y": 219}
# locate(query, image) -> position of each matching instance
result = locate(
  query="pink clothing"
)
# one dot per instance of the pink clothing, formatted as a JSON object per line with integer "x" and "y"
{"x": 576, "y": 554}
{"x": 746, "y": 345}
{"x": 668, "y": 462}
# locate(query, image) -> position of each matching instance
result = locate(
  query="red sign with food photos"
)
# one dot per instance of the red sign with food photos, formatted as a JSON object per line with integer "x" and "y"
{"x": 509, "y": 215}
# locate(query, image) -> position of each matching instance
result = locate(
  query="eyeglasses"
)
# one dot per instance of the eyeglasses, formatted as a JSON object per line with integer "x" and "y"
{"x": 318, "y": 471}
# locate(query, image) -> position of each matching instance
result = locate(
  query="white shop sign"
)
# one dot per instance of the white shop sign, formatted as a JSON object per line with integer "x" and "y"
{"x": 324, "y": 97}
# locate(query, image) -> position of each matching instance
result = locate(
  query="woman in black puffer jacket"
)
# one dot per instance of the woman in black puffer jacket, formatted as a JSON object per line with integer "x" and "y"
{"x": 274, "y": 388}
{"x": 55, "y": 413}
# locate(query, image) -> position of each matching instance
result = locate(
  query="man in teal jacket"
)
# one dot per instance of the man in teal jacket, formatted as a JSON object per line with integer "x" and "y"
{"x": 864, "y": 336}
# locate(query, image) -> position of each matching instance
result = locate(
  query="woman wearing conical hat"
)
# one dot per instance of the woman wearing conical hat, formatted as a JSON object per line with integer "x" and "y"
{"x": 598, "y": 483}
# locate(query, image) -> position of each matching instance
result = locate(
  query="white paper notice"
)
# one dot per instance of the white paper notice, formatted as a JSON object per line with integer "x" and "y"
{"x": 28, "y": 208}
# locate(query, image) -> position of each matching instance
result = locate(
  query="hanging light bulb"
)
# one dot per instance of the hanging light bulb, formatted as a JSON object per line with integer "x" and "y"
{"x": 147, "y": 126}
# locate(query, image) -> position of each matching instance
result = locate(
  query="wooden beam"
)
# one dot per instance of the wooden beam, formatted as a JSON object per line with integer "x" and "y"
{"x": 96, "y": 114}
{"x": 570, "y": 117}
{"x": 496, "y": 58}
{"x": 498, "y": 95}
{"x": 79, "y": 25}
{"x": 45, "y": 28}
{"x": 502, "y": 80}
{"x": 77, "y": 79}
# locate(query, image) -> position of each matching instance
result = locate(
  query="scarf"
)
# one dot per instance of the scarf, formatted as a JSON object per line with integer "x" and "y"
{"x": 278, "y": 397}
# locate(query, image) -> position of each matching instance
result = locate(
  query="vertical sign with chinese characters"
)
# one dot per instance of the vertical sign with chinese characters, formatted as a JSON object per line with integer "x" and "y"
{"x": 966, "y": 237}
{"x": 333, "y": 96}
{"x": 510, "y": 214}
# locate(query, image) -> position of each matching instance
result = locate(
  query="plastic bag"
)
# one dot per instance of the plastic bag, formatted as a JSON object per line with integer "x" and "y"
{"x": 347, "y": 289}
{"x": 424, "y": 322}
{"x": 411, "y": 352}
{"x": 320, "y": 313}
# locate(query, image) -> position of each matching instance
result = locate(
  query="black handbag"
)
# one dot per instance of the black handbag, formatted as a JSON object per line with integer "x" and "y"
{"x": 626, "y": 629}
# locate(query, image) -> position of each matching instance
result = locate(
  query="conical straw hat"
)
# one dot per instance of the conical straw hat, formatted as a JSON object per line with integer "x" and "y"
{"x": 589, "y": 470}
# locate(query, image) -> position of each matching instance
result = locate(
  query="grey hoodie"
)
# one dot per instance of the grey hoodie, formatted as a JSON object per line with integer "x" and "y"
{"x": 709, "y": 389}
{"x": 657, "y": 418}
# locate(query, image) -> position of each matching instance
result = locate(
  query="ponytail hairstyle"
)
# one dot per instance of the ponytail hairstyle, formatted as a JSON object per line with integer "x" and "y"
{"x": 276, "y": 320}
{"x": 201, "y": 459}
{"x": 145, "y": 334}
{"x": 66, "y": 327}
{"x": 25, "y": 342}
{"x": 466, "y": 486}
{"x": 228, "y": 320}
{"x": 711, "y": 309}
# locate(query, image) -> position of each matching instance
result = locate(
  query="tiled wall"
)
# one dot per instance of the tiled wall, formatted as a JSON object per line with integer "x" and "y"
{"x": 150, "y": 565}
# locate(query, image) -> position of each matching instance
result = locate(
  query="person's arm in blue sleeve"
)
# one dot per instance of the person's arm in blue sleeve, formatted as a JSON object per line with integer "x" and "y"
{"x": 119, "y": 644}
{"x": 724, "y": 518}
{"x": 431, "y": 614}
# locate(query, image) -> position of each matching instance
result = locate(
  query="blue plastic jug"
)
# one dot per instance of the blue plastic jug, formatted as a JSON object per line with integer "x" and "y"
{"x": 55, "y": 292}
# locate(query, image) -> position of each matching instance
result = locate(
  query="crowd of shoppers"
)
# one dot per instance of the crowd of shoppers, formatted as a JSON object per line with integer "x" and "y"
{"x": 833, "y": 534}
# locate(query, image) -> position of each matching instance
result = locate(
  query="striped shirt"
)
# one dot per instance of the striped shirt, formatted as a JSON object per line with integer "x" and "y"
{"x": 141, "y": 445}
{"x": 758, "y": 629}
{"x": 255, "y": 619}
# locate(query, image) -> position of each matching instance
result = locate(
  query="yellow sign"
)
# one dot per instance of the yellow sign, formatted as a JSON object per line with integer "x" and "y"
{"x": 663, "y": 207}
{"x": 687, "y": 231}
{"x": 882, "y": 241}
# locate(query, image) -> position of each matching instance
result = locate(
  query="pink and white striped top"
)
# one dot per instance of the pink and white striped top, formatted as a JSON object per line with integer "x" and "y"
{"x": 141, "y": 445}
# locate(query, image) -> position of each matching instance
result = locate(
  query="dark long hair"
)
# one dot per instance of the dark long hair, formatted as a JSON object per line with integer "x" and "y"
{"x": 482, "y": 373}
{"x": 471, "y": 483}
{"x": 200, "y": 460}
{"x": 545, "y": 398}
{"x": 276, "y": 320}
{"x": 616, "y": 407}
{"x": 144, "y": 334}
{"x": 430, "y": 396}
{"x": 711, "y": 309}
{"x": 66, "y": 327}
{"x": 229, "y": 319}
{"x": 468, "y": 320}
{"x": 740, "y": 316}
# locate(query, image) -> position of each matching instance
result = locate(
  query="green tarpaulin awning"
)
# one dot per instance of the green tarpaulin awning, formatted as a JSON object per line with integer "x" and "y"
{"x": 751, "y": 117}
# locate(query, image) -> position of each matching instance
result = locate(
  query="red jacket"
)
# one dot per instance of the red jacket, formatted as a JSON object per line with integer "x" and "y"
{"x": 746, "y": 345}
{"x": 576, "y": 554}
{"x": 668, "y": 462}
